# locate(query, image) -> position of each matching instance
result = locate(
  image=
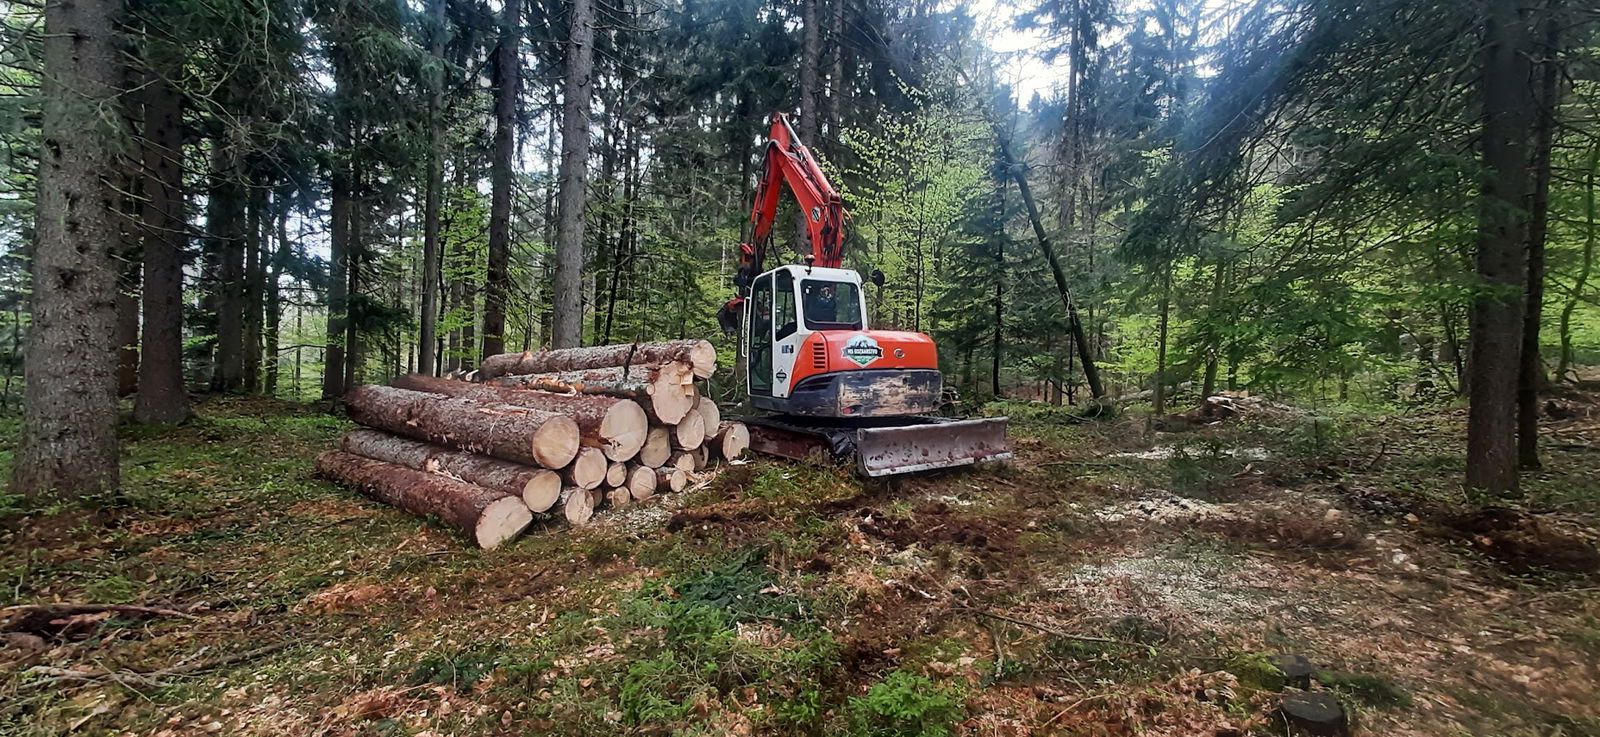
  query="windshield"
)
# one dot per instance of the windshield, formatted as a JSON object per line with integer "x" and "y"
{"x": 831, "y": 305}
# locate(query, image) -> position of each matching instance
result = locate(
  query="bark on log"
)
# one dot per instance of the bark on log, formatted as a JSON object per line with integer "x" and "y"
{"x": 576, "y": 505}
{"x": 538, "y": 487}
{"x": 666, "y": 392}
{"x": 614, "y": 425}
{"x": 489, "y": 517}
{"x": 733, "y": 439}
{"x": 657, "y": 448}
{"x": 671, "y": 478}
{"x": 616, "y": 474}
{"x": 701, "y": 457}
{"x": 699, "y": 354}
{"x": 597, "y": 498}
{"x": 642, "y": 482}
{"x": 710, "y": 413}
{"x": 514, "y": 433}
{"x": 586, "y": 471}
{"x": 690, "y": 432}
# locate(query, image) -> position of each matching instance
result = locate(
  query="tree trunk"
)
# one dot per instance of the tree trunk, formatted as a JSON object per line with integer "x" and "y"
{"x": 254, "y": 289}
{"x": 274, "y": 307}
{"x": 338, "y": 285}
{"x": 1158, "y": 401}
{"x": 497, "y": 277}
{"x": 699, "y": 354}
{"x": 128, "y": 318}
{"x": 642, "y": 482}
{"x": 427, "y": 348}
{"x": 488, "y": 517}
{"x": 567, "y": 301}
{"x": 538, "y": 487}
{"x": 690, "y": 432}
{"x": 1530, "y": 375}
{"x": 512, "y": 433}
{"x": 732, "y": 439}
{"x": 1497, "y": 309}
{"x": 576, "y": 505}
{"x": 68, "y": 440}
{"x": 666, "y": 392}
{"x": 616, "y": 426}
{"x": 1091, "y": 374}
{"x": 1590, "y": 233}
{"x": 225, "y": 223}
{"x": 161, "y": 395}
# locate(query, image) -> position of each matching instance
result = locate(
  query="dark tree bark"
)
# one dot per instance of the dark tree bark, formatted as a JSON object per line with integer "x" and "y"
{"x": 339, "y": 266}
{"x": 489, "y": 517}
{"x": 225, "y": 224}
{"x": 161, "y": 396}
{"x": 68, "y": 442}
{"x": 428, "y": 331}
{"x": 1530, "y": 376}
{"x": 497, "y": 278}
{"x": 128, "y": 316}
{"x": 567, "y": 301}
{"x": 1497, "y": 310}
{"x": 521, "y": 434}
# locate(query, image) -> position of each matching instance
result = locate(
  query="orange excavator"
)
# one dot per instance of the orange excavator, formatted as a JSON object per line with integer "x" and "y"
{"x": 831, "y": 383}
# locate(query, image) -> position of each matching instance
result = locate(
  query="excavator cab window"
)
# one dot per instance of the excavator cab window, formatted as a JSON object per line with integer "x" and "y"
{"x": 783, "y": 312}
{"x": 831, "y": 305}
{"x": 760, "y": 315}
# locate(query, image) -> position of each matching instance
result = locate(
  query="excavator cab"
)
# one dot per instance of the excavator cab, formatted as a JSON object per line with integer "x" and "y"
{"x": 811, "y": 352}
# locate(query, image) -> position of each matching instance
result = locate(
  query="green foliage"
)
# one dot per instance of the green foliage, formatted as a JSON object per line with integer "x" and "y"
{"x": 1367, "y": 688}
{"x": 1255, "y": 671}
{"x": 906, "y": 705}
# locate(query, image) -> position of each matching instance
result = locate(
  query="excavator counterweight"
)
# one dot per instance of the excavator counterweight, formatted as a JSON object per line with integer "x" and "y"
{"x": 835, "y": 386}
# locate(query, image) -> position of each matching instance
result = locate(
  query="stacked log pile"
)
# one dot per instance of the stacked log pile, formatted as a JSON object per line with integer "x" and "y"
{"x": 547, "y": 434}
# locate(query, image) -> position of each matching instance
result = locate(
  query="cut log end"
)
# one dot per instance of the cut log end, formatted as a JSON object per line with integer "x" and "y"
{"x": 542, "y": 490}
{"x": 502, "y": 520}
{"x": 555, "y": 443}
{"x": 625, "y": 428}
{"x": 657, "y": 448}
{"x": 733, "y": 439}
{"x": 642, "y": 482}
{"x": 684, "y": 462}
{"x": 672, "y": 479}
{"x": 616, "y": 474}
{"x": 689, "y": 433}
{"x": 703, "y": 356}
{"x": 619, "y": 496}
{"x": 587, "y": 470}
{"x": 710, "y": 413}
{"x": 576, "y": 505}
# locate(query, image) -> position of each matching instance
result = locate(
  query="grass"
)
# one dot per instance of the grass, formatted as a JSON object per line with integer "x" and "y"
{"x": 783, "y": 599}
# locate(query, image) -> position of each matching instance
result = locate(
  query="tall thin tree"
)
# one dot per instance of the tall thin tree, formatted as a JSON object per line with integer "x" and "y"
{"x": 567, "y": 300}
{"x": 497, "y": 279}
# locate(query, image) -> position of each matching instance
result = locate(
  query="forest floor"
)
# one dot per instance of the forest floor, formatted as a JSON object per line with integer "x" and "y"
{"x": 1109, "y": 581}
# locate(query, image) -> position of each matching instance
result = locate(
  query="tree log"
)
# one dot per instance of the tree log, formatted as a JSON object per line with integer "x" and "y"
{"x": 616, "y": 474}
{"x": 710, "y": 413}
{"x": 684, "y": 462}
{"x": 597, "y": 498}
{"x": 697, "y": 353}
{"x": 690, "y": 432}
{"x": 732, "y": 440}
{"x": 701, "y": 457}
{"x": 489, "y": 517}
{"x": 586, "y": 471}
{"x": 657, "y": 448}
{"x": 666, "y": 392}
{"x": 642, "y": 482}
{"x": 619, "y": 496}
{"x": 538, "y": 487}
{"x": 576, "y": 505}
{"x": 671, "y": 478}
{"x": 614, "y": 425}
{"x": 514, "y": 433}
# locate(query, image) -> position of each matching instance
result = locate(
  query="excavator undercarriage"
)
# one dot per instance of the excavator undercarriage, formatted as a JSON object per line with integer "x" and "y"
{"x": 882, "y": 446}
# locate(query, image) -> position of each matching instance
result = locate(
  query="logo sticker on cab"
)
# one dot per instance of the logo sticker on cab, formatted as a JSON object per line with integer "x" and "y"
{"x": 861, "y": 349}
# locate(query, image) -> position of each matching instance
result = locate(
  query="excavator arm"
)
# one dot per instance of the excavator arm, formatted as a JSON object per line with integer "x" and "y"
{"x": 787, "y": 162}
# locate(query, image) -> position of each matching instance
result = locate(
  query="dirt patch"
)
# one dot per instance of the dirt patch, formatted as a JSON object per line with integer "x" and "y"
{"x": 934, "y": 523}
{"x": 1526, "y": 542}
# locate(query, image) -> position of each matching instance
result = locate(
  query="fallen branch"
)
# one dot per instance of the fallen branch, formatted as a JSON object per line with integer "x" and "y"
{"x": 131, "y": 678}
{"x": 37, "y": 617}
{"x": 1053, "y": 632}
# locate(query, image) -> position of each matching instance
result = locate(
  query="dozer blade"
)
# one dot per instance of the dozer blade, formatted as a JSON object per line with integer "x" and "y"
{"x": 885, "y": 451}
{"x": 883, "y": 446}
